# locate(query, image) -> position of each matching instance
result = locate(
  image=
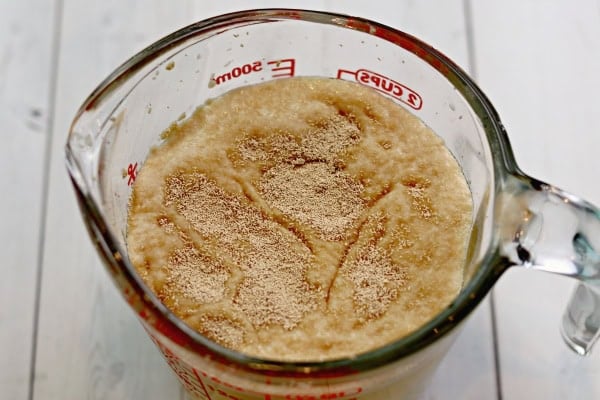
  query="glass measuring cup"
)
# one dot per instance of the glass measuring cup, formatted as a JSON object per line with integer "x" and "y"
{"x": 517, "y": 220}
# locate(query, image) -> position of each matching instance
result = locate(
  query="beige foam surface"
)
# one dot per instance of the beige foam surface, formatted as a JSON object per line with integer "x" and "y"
{"x": 301, "y": 219}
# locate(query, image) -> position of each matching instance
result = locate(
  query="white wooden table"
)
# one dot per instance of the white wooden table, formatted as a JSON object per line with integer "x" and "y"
{"x": 65, "y": 332}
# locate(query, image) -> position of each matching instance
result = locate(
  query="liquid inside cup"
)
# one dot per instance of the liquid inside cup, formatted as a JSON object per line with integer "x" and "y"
{"x": 304, "y": 219}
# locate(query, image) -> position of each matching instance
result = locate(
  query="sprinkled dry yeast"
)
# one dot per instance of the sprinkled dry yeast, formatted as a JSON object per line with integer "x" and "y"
{"x": 315, "y": 194}
{"x": 273, "y": 289}
{"x": 301, "y": 219}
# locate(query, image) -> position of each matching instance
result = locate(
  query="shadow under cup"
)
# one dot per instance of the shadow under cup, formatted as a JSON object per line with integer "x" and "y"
{"x": 125, "y": 116}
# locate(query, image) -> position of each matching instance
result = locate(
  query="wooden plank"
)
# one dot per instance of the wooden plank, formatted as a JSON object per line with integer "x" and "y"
{"x": 468, "y": 371}
{"x": 90, "y": 345}
{"x": 539, "y": 63}
{"x": 26, "y": 29}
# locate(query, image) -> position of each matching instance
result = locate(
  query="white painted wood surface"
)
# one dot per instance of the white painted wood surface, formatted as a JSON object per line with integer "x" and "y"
{"x": 89, "y": 344}
{"x": 534, "y": 59}
{"x": 539, "y": 62}
{"x": 26, "y": 29}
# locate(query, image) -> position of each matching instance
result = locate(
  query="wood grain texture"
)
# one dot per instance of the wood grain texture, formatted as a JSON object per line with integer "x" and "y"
{"x": 539, "y": 63}
{"x": 468, "y": 371}
{"x": 90, "y": 345}
{"x": 26, "y": 29}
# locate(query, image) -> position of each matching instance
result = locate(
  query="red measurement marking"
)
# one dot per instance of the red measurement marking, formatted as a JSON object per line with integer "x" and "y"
{"x": 236, "y": 72}
{"x": 201, "y": 383}
{"x": 280, "y": 68}
{"x": 385, "y": 85}
{"x": 132, "y": 173}
{"x": 206, "y": 386}
{"x": 284, "y": 67}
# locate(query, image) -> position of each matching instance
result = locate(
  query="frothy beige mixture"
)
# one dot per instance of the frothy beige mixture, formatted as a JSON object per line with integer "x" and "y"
{"x": 302, "y": 219}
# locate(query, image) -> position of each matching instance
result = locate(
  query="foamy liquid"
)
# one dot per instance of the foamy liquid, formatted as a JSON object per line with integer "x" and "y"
{"x": 302, "y": 219}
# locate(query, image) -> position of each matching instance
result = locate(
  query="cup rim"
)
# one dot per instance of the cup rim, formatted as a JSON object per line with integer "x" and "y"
{"x": 156, "y": 315}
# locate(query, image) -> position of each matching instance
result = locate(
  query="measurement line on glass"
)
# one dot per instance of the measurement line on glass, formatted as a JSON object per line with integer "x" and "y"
{"x": 285, "y": 67}
{"x": 385, "y": 85}
{"x": 209, "y": 387}
{"x": 131, "y": 173}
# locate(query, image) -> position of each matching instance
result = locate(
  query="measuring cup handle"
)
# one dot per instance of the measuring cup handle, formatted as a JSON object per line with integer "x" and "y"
{"x": 545, "y": 228}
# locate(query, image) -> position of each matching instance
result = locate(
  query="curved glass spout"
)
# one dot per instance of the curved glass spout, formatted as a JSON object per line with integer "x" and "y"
{"x": 547, "y": 229}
